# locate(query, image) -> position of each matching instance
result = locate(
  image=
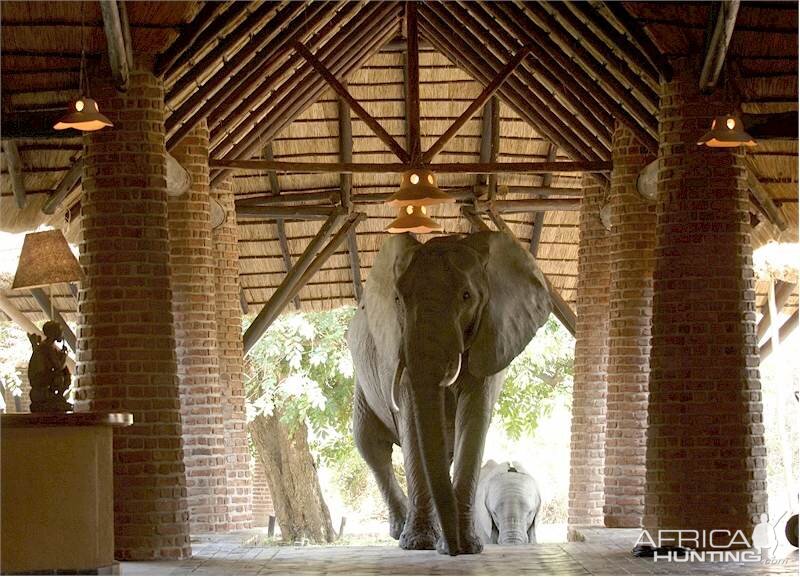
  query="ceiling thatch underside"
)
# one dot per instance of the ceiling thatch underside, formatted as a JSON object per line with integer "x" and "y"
{"x": 234, "y": 65}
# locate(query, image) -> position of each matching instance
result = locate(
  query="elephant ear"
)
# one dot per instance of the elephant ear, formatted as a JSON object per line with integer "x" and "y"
{"x": 379, "y": 293}
{"x": 518, "y": 302}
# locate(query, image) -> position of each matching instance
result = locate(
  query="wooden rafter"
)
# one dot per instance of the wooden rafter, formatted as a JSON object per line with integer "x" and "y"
{"x": 67, "y": 185}
{"x": 116, "y": 38}
{"x": 538, "y": 218}
{"x": 15, "y": 171}
{"x": 532, "y": 205}
{"x": 365, "y": 116}
{"x": 722, "y": 22}
{"x": 475, "y": 105}
{"x": 783, "y": 291}
{"x": 397, "y": 168}
{"x": 346, "y": 184}
{"x": 412, "y": 82}
{"x": 784, "y": 333}
{"x": 292, "y": 212}
{"x": 764, "y": 198}
{"x": 190, "y": 37}
{"x": 47, "y": 307}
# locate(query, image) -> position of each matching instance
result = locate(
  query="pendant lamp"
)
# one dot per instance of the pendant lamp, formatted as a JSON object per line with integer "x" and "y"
{"x": 84, "y": 114}
{"x": 413, "y": 218}
{"x": 726, "y": 132}
{"x": 418, "y": 187}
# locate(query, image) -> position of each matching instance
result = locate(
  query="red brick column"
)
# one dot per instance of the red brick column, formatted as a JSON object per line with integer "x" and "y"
{"x": 705, "y": 446}
{"x": 591, "y": 356}
{"x": 631, "y": 260}
{"x": 231, "y": 358}
{"x": 126, "y": 343}
{"x": 194, "y": 310}
{"x": 262, "y": 499}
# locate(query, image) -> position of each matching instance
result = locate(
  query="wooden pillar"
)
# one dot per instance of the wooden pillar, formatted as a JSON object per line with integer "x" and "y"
{"x": 631, "y": 244}
{"x": 705, "y": 446}
{"x": 229, "y": 346}
{"x": 126, "y": 342}
{"x": 591, "y": 356}
{"x": 194, "y": 311}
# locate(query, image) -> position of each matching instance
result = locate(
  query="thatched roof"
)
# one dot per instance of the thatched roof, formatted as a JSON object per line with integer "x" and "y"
{"x": 241, "y": 54}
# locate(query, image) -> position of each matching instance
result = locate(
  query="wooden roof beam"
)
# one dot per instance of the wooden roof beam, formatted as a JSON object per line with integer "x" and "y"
{"x": 118, "y": 39}
{"x": 194, "y": 35}
{"x": 412, "y": 82}
{"x": 538, "y": 218}
{"x": 67, "y": 185}
{"x": 764, "y": 198}
{"x": 346, "y": 184}
{"x": 530, "y": 205}
{"x": 475, "y": 105}
{"x": 593, "y": 166}
{"x": 15, "y": 172}
{"x": 783, "y": 291}
{"x": 490, "y": 144}
{"x": 48, "y": 308}
{"x": 784, "y": 333}
{"x": 365, "y": 116}
{"x": 721, "y": 25}
{"x": 633, "y": 30}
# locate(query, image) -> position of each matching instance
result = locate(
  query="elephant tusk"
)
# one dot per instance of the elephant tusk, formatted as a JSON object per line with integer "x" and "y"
{"x": 455, "y": 374}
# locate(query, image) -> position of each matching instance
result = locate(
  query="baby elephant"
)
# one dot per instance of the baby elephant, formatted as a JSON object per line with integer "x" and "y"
{"x": 506, "y": 504}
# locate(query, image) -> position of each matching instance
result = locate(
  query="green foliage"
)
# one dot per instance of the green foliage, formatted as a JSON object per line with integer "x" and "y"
{"x": 15, "y": 351}
{"x": 537, "y": 380}
{"x": 303, "y": 367}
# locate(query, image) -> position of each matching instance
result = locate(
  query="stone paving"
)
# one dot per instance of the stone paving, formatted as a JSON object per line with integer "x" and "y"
{"x": 605, "y": 552}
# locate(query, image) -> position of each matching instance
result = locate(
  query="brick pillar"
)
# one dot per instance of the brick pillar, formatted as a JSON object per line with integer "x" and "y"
{"x": 591, "y": 356}
{"x": 705, "y": 446}
{"x": 194, "y": 310}
{"x": 631, "y": 260}
{"x": 262, "y": 499}
{"x": 231, "y": 358}
{"x": 126, "y": 343}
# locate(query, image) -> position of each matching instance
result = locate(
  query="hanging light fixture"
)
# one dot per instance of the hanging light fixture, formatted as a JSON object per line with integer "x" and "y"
{"x": 418, "y": 187}
{"x": 412, "y": 218}
{"x": 726, "y": 132}
{"x": 84, "y": 115}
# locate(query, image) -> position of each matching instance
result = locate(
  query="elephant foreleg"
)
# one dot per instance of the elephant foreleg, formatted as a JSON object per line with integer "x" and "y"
{"x": 374, "y": 442}
{"x": 476, "y": 399}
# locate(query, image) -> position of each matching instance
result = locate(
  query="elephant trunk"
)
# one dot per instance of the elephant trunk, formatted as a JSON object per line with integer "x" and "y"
{"x": 512, "y": 532}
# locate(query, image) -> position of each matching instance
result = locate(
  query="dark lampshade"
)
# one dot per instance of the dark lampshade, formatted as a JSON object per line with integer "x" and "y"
{"x": 413, "y": 219}
{"x": 46, "y": 260}
{"x": 85, "y": 116}
{"x": 418, "y": 187}
{"x": 726, "y": 132}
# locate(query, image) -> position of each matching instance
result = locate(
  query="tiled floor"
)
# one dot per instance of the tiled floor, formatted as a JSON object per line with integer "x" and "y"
{"x": 605, "y": 552}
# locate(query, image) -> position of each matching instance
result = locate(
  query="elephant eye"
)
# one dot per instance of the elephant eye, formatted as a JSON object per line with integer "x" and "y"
{"x": 466, "y": 296}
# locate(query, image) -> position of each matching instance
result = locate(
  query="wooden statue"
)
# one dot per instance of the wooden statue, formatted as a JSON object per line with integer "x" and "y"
{"x": 47, "y": 372}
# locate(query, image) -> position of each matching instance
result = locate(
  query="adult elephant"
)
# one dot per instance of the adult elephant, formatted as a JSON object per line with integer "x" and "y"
{"x": 438, "y": 324}
{"x": 507, "y": 504}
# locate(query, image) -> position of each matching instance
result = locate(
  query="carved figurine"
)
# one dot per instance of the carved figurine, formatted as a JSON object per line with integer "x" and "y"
{"x": 47, "y": 371}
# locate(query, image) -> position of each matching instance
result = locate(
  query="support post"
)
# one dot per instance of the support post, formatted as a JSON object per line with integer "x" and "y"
{"x": 14, "y": 166}
{"x": 723, "y": 20}
{"x": 118, "y": 55}
{"x": 538, "y": 217}
{"x": 47, "y": 305}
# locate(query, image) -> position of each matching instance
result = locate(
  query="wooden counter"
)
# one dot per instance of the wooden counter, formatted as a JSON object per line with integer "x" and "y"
{"x": 57, "y": 492}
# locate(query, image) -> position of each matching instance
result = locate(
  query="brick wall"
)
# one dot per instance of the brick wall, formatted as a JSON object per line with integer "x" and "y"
{"x": 591, "y": 356}
{"x": 631, "y": 260}
{"x": 262, "y": 499}
{"x": 229, "y": 345}
{"x": 705, "y": 447}
{"x": 194, "y": 311}
{"x": 126, "y": 344}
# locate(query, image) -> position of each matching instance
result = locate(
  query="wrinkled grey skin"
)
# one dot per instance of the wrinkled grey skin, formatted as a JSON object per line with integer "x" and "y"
{"x": 506, "y": 504}
{"x": 437, "y": 326}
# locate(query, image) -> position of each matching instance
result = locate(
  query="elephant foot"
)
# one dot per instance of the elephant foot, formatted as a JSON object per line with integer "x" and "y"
{"x": 396, "y": 524}
{"x": 468, "y": 545}
{"x": 418, "y": 537}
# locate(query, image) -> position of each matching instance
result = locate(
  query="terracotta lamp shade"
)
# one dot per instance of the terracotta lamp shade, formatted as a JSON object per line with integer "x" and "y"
{"x": 726, "y": 132}
{"x": 413, "y": 219}
{"x": 85, "y": 116}
{"x": 418, "y": 187}
{"x": 46, "y": 260}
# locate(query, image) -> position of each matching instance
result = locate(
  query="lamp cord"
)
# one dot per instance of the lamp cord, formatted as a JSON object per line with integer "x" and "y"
{"x": 83, "y": 52}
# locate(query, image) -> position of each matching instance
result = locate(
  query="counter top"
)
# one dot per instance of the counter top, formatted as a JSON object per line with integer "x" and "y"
{"x": 88, "y": 419}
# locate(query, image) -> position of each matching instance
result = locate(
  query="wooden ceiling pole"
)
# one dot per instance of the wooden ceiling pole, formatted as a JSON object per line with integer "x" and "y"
{"x": 561, "y": 309}
{"x": 784, "y": 333}
{"x": 530, "y": 205}
{"x": 513, "y": 18}
{"x": 294, "y": 212}
{"x": 365, "y": 116}
{"x": 281, "y": 295}
{"x": 116, "y": 37}
{"x": 252, "y": 91}
{"x": 538, "y": 218}
{"x": 412, "y": 82}
{"x": 764, "y": 198}
{"x": 53, "y": 314}
{"x": 490, "y": 145}
{"x": 330, "y": 196}
{"x": 555, "y": 121}
{"x": 783, "y": 290}
{"x": 346, "y": 184}
{"x": 540, "y": 117}
{"x": 67, "y": 185}
{"x": 561, "y": 93}
{"x": 15, "y": 171}
{"x": 638, "y": 36}
{"x": 303, "y": 87}
{"x": 475, "y": 105}
{"x": 190, "y": 36}
{"x": 280, "y": 226}
{"x": 579, "y": 166}
{"x": 721, "y": 25}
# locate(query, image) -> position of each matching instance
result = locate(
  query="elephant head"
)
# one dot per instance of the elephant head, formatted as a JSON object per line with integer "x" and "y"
{"x": 507, "y": 504}
{"x": 456, "y": 303}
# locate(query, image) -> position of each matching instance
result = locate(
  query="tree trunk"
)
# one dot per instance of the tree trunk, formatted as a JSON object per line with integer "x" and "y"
{"x": 292, "y": 477}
